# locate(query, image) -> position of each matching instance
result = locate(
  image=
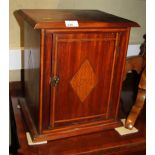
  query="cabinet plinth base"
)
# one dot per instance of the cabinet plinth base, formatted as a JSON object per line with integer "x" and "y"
{"x": 63, "y": 132}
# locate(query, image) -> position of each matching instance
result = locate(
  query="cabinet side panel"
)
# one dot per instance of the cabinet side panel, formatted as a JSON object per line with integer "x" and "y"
{"x": 31, "y": 62}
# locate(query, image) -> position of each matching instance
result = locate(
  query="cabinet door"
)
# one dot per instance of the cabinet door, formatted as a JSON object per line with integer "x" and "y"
{"x": 82, "y": 74}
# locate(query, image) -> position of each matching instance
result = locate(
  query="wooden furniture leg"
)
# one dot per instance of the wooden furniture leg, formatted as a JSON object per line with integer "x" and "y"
{"x": 139, "y": 103}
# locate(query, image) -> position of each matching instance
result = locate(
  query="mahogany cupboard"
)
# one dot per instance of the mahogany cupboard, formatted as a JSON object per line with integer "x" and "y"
{"x": 73, "y": 68}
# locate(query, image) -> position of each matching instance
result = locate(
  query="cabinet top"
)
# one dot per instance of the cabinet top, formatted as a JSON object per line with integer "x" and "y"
{"x": 45, "y": 18}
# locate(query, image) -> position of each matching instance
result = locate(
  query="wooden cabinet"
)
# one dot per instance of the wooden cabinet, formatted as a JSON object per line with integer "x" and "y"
{"x": 72, "y": 72}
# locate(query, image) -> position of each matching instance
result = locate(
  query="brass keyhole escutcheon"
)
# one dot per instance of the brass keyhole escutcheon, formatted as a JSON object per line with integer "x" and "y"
{"x": 55, "y": 81}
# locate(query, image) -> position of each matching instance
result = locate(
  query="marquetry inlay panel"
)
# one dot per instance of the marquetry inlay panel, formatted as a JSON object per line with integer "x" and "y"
{"x": 84, "y": 81}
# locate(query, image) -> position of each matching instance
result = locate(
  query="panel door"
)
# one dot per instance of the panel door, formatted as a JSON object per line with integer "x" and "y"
{"x": 82, "y": 74}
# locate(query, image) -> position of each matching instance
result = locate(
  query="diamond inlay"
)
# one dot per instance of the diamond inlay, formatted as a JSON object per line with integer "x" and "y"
{"x": 84, "y": 81}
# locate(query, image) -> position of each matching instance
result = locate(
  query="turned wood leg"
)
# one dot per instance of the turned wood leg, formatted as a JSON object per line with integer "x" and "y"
{"x": 136, "y": 109}
{"x": 140, "y": 100}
